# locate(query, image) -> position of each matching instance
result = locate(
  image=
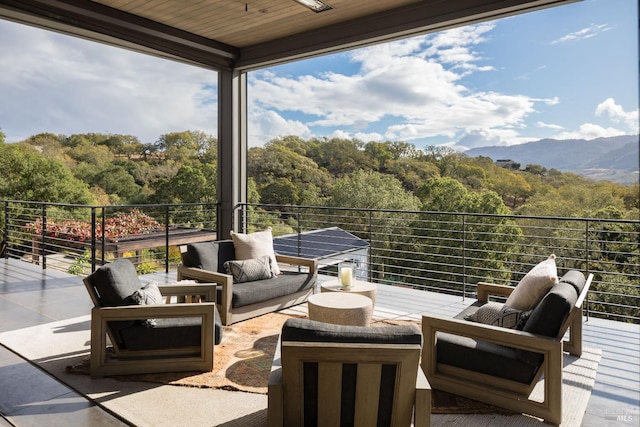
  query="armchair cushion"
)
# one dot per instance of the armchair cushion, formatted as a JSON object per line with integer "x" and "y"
{"x": 534, "y": 285}
{"x": 484, "y": 357}
{"x": 166, "y": 333}
{"x": 547, "y": 318}
{"x": 115, "y": 282}
{"x": 306, "y": 330}
{"x": 254, "y": 245}
{"x": 249, "y": 270}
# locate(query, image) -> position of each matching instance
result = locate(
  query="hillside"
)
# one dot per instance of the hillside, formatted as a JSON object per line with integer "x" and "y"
{"x": 613, "y": 158}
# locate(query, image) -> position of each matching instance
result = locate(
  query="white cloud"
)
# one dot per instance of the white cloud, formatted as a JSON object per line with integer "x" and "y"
{"x": 617, "y": 114}
{"x": 548, "y": 126}
{"x": 584, "y": 33}
{"x": 413, "y": 84}
{"x": 65, "y": 85}
{"x": 590, "y": 131}
{"x": 265, "y": 125}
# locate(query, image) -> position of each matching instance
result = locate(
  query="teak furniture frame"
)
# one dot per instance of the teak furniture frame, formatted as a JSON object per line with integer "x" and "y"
{"x": 123, "y": 362}
{"x": 501, "y": 392}
{"x": 229, "y": 314}
{"x": 412, "y": 396}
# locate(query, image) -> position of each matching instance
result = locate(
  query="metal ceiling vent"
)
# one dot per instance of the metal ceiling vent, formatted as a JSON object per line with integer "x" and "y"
{"x": 315, "y": 5}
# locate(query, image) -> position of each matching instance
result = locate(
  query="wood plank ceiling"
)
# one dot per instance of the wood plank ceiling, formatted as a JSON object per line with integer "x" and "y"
{"x": 249, "y": 34}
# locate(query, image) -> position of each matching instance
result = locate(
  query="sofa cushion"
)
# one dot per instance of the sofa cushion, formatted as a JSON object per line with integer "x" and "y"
{"x": 286, "y": 283}
{"x": 249, "y": 270}
{"x": 209, "y": 256}
{"x": 534, "y": 285}
{"x": 115, "y": 282}
{"x": 255, "y": 245}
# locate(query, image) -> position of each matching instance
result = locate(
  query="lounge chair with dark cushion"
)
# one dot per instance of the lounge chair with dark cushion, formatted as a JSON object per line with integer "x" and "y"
{"x": 205, "y": 261}
{"x": 333, "y": 375}
{"x": 501, "y": 366}
{"x": 148, "y": 335}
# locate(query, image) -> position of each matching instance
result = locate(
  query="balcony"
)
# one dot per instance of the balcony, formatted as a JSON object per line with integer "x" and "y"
{"x": 425, "y": 262}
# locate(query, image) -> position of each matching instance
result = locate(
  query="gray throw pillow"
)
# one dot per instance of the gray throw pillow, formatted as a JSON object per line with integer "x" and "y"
{"x": 499, "y": 314}
{"x": 249, "y": 270}
{"x": 148, "y": 295}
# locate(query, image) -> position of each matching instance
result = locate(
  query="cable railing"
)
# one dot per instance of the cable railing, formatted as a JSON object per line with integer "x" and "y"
{"x": 447, "y": 252}
{"x": 77, "y": 238}
{"x": 450, "y": 252}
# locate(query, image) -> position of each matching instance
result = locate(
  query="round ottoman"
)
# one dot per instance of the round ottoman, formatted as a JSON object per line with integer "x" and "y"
{"x": 340, "y": 308}
{"x": 359, "y": 287}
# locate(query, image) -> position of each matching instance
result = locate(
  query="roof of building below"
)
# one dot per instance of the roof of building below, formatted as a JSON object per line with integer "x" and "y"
{"x": 318, "y": 244}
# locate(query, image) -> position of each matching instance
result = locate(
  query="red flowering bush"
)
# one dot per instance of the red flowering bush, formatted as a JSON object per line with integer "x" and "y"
{"x": 121, "y": 224}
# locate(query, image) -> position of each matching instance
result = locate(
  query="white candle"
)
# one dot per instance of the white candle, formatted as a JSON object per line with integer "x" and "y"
{"x": 346, "y": 276}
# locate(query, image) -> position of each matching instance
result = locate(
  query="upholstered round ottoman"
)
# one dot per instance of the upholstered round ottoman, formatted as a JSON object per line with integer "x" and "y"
{"x": 340, "y": 308}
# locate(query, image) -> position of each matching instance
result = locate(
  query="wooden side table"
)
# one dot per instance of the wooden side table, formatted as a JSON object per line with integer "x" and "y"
{"x": 359, "y": 287}
{"x": 340, "y": 308}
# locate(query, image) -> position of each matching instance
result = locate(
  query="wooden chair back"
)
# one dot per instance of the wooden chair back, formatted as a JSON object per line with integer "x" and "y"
{"x": 330, "y": 384}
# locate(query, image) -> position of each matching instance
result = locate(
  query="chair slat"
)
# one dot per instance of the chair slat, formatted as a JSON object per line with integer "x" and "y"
{"x": 367, "y": 394}
{"x": 329, "y": 394}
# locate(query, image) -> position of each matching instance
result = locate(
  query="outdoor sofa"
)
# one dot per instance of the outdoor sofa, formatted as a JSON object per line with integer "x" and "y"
{"x": 205, "y": 262}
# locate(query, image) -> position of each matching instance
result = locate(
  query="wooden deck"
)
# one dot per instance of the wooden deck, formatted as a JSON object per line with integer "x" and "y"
{"x": 30, "y": 296}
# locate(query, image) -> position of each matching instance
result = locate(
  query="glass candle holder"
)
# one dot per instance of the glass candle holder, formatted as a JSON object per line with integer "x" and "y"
{"x": 346, "y": 273}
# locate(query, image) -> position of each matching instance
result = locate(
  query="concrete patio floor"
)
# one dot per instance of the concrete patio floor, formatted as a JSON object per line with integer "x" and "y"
{"x": 31, "y": 296}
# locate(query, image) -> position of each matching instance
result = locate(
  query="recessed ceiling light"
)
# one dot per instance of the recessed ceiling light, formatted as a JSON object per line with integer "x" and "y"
{"x": 315, "y": 5}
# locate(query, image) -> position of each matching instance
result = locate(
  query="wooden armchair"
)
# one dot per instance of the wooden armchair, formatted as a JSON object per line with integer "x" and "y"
{"x": 501, "y": 366}
{"x": 204, "y": 262}
{"x": 334, "y": 375}
{"x": 182, "y": 336}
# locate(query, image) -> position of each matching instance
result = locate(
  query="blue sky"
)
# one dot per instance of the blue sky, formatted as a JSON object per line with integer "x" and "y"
{"x": 564, "y": 72}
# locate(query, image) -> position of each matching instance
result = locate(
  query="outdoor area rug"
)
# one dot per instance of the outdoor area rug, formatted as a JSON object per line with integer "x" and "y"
{"x": 242, "y": 363}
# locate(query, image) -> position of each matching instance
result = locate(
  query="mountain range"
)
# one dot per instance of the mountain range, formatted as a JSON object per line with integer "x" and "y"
{"x": 614, "y": 158}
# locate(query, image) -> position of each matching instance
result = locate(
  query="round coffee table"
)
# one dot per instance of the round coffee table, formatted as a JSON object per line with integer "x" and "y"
{"x": 359, "y": 287}
{"x": 340, "y": 308}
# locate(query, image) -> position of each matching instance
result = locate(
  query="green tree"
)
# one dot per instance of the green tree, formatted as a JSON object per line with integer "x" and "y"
{"x": 191, "y": 184}
{"x": 366, "y": 192}
{"x": 285, "y": 177}
{"x": 339, "y": 156}
{"x": 444, "y": 236}
{"x": 186, "y": 145}
{"x": 27, "y": 175}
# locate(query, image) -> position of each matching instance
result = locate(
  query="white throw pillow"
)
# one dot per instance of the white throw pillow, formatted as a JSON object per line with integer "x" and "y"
{"x": 255, "y": 245}
{"x": 534, "y": 285}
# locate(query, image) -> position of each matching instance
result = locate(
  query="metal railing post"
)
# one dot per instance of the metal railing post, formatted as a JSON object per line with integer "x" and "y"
{"x": 102, "y": 238}
{"x": 166, "y": 240}
{"x": 370, "y": 269}
{"x": 464, "y": 257}
{"x": 93, "y": 238}
{"x": 43, "y": 245}
{"x": 6, "y": 229}
{"x": 299, "y": 227}
{"x": 588, "y": 263}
